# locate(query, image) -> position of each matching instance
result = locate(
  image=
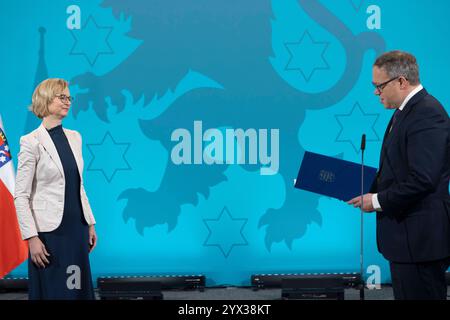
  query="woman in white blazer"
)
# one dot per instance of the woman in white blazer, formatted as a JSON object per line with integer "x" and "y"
{"x": 51, "y": 203}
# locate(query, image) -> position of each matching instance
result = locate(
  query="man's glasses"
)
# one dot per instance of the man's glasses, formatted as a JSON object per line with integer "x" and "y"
{"x": 65, "y": 98}
{"x": 381, "y": 86}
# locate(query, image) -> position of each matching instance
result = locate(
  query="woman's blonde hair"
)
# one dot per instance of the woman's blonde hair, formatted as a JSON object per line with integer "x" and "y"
{"x": 44, "y": 94}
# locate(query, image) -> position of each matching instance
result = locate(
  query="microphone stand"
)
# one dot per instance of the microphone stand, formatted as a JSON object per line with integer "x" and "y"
{"x": 361, "y": 260}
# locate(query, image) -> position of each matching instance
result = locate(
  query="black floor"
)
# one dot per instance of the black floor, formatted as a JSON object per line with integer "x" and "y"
{"x": 236, "y": 293}
{"x": 233, "y": 293}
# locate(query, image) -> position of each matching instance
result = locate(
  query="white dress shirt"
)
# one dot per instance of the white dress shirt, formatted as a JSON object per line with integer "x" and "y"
{"x": 375, "y": 202}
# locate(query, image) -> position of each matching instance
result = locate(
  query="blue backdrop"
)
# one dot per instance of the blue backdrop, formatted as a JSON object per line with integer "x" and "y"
{"x": 161, "y": 89}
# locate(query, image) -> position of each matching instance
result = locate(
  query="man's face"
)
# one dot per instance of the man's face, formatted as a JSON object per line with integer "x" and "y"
{"x": 390, "y": 93}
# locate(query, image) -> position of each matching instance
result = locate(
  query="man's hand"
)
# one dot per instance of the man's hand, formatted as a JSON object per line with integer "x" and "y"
{"x": 367, "y": 202}
{"x": 38, "y": 253}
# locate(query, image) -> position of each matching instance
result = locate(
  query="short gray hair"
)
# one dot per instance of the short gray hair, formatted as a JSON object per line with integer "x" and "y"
{"x": 399, "y": 63}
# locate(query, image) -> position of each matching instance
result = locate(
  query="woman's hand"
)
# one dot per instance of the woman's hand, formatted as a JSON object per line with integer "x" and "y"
{"x": 38, "y": 252}
{"x": 92, "y": 238}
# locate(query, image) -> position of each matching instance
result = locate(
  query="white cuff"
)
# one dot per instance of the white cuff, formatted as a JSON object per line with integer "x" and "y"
{"x": 376, "y": 205}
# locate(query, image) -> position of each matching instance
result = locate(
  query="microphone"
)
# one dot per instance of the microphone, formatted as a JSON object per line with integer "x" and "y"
{"x": 363, "y": 142}
{"x": 361, "y": 253}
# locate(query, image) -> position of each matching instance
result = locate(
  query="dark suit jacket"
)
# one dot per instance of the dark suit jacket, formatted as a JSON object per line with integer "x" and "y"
{"x": 413, "y": 184}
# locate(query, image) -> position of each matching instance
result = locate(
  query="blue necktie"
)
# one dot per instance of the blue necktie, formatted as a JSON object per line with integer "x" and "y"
{"x": 394, "y": 118}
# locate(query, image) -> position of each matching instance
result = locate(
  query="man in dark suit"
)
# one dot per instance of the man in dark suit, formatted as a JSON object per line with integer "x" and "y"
{"x": 411, "y": 190}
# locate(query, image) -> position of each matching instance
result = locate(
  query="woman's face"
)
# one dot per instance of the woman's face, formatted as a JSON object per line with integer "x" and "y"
{"x": 60, "y": 105}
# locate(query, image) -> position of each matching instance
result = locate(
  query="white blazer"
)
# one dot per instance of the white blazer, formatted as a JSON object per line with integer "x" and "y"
{"x": 40, "y": 182}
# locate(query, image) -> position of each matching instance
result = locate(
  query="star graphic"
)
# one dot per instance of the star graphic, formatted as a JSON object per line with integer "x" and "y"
{"x": 91, "y": 41}
{"x": 6, "y": 148}
{"x": 356, "y": 123}
{"x": 2, "y": 158}
{"x": 225, "y": 232}
{"x": 356, "y": 4}
{"x": 306, "y": 56}
{"x": 108, "y": 157}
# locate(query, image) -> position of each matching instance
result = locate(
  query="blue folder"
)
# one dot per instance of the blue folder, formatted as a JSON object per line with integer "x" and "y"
{"x": 333, "y": 177}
